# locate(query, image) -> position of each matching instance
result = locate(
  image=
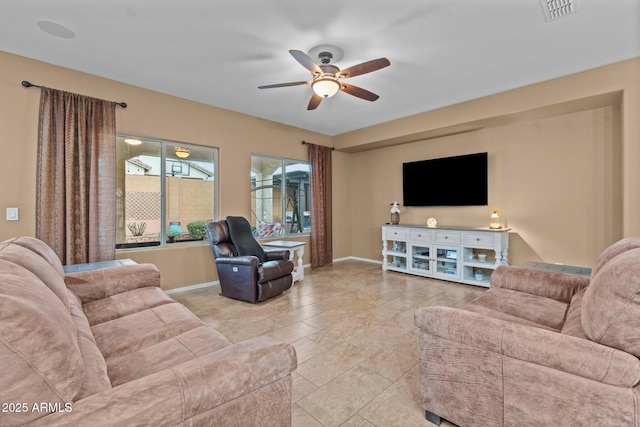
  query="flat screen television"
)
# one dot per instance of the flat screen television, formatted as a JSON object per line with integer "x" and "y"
{"x": 447, "y": 181}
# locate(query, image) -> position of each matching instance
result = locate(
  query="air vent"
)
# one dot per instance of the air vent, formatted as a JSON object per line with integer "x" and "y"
{"x": 556, "y": 9}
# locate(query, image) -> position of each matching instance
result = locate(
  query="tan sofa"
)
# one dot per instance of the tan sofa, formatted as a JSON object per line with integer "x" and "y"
{"x": 539, "y": 348}
{"x": 109, "y": 347}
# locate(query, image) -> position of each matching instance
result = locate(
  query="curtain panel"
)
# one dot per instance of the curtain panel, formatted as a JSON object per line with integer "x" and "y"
{"x": 321, "y": 205}
{"x": 75, "y": 189}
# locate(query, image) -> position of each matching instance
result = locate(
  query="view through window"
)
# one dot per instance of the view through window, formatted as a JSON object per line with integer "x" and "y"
{"x": 165, "y": 193}
{"x": 280, "y": 196}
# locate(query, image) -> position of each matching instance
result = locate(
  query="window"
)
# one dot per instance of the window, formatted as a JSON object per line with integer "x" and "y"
{"x": 280, "y": 196}
{"x": 166, "y": 191}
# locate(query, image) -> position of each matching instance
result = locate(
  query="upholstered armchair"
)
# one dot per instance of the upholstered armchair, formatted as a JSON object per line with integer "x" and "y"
{"x": 539, "y": 348}
{"x": 245, "y": 270}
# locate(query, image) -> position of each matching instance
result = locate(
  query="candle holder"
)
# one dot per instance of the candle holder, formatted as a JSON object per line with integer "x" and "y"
{"x": 495, "y": 220}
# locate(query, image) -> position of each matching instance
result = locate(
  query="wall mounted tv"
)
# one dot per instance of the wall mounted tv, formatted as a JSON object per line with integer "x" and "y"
{"x": 447, "y": 181}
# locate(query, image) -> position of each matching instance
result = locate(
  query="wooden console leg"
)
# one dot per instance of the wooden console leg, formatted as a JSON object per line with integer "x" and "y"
{"x": 432, "y": 418}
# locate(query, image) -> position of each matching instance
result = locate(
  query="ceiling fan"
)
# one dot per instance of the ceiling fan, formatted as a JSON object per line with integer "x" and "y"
{"x": 326, "y": 77}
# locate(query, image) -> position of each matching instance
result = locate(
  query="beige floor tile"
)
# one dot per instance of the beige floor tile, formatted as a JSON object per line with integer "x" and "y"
{"x": 357, "y": 421}
{"x": 306, "y": 349}
{"x": 396, "y": 358}
{"x": 300, "y": 418}
{"x": 328, "y": 365}
{"x": 398, "y": 405}
{"x": 374, "y": 339}
{"x": 250, "y": 330}
{"x": 300, "y": 387}
{"x": 340, "y": 399}
{"x": 292, "y": 332}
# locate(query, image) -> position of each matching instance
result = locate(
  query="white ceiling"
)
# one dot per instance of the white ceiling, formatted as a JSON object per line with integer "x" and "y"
{"x": 218, "y": 52}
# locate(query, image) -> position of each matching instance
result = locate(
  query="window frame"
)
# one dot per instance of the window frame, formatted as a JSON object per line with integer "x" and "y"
{"x": 164, "y": 224}
{"x": 284, "y": 161}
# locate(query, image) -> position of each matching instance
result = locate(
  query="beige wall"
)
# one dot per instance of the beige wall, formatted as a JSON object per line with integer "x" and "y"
{"x": 589, "y": 119}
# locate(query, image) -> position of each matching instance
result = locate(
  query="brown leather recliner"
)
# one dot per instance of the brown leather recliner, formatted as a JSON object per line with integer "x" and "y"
{"x": 247, "y": 272}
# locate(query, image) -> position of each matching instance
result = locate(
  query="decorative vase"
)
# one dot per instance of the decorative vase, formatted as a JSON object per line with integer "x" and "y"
{"x": 395, "y": 218}
{"x": 395, "y": 213}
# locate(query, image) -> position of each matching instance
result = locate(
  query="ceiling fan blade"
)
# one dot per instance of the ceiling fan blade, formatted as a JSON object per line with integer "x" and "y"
{"x": 306, "y": 61}
{"x": 314, "y": 101}
{"x": 364, "y": 68}
{"x": 284, "y": 84}
{"x": 358, "y": 92}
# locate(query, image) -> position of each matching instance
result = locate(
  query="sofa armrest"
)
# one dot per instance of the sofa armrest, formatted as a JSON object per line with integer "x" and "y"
{"x": 277, "y": 254}
{"x": 98, "y": 284}
{"x": 541, "y": 347}
{"x": 189, "y": 390}
{"x": 544, "y": 283}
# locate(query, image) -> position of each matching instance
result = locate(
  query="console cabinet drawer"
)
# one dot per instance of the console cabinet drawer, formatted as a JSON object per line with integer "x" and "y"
{"x": 395, "y": 233}
{"x": 420, "y": 235}
{"x": 447, "y": 237}
{"x": 479, "y": 240}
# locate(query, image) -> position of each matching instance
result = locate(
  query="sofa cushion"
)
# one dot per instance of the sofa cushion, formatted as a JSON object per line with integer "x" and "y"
{"x": 37, "y": 257}
{"x": 573, "y": 324}
{"x": 41, "y": 360}
{"x": 137, "y": 331}
{"x": 120, "y": 305}
{"x": 166, "y": 354}
{"x": 520, "y": 307}
{"x": 611, "y": 304}
{"x": 95, "y": 367}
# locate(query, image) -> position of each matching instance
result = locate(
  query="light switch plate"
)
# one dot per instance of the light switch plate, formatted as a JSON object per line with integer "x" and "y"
{"x": 13, "y": 214}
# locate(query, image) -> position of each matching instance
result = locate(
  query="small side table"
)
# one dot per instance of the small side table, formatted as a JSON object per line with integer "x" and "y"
{"x": 75, "y": 268}
{"x": 294, "y": 247}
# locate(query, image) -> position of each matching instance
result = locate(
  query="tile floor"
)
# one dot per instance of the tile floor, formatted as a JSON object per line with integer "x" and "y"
{"x": 352, "y": 327}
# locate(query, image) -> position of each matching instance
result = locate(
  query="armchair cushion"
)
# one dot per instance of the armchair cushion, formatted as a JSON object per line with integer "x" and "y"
{"x": 612, "y": 302}
{"x": 573, "y": 324}
{"x": 242, "y": 238}
{"x": 520, "y": 307}
{"x": 548, "y": 284}
{"x": 613, "y": 251}
{"x": 528, "y": 296}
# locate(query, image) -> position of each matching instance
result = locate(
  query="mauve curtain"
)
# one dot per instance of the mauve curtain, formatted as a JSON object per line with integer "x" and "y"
{"x": 321, "y": 228}
{"x": 76, "y": 186}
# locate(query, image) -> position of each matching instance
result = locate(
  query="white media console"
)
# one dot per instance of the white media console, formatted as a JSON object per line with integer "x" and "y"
{"x": 458, "y": 254}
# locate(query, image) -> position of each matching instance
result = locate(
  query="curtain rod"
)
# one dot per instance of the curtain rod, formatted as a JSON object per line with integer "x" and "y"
{"x": 305, "y": 142}
{"x": 27, "y": 84}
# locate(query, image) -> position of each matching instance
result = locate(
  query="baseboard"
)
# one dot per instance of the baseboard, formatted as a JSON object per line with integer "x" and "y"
{"x": 355, "y": 258}
{"x": 192, "y": 287}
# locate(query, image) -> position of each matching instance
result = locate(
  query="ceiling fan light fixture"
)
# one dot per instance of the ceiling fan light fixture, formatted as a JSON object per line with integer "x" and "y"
{"x": 183, "y": 153}
{"x": 325, "y": 87}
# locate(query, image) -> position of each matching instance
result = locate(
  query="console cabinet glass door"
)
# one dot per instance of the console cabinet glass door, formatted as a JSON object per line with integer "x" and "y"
{"x": 421, "y": 258}
{"x": 446, "y": 260}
